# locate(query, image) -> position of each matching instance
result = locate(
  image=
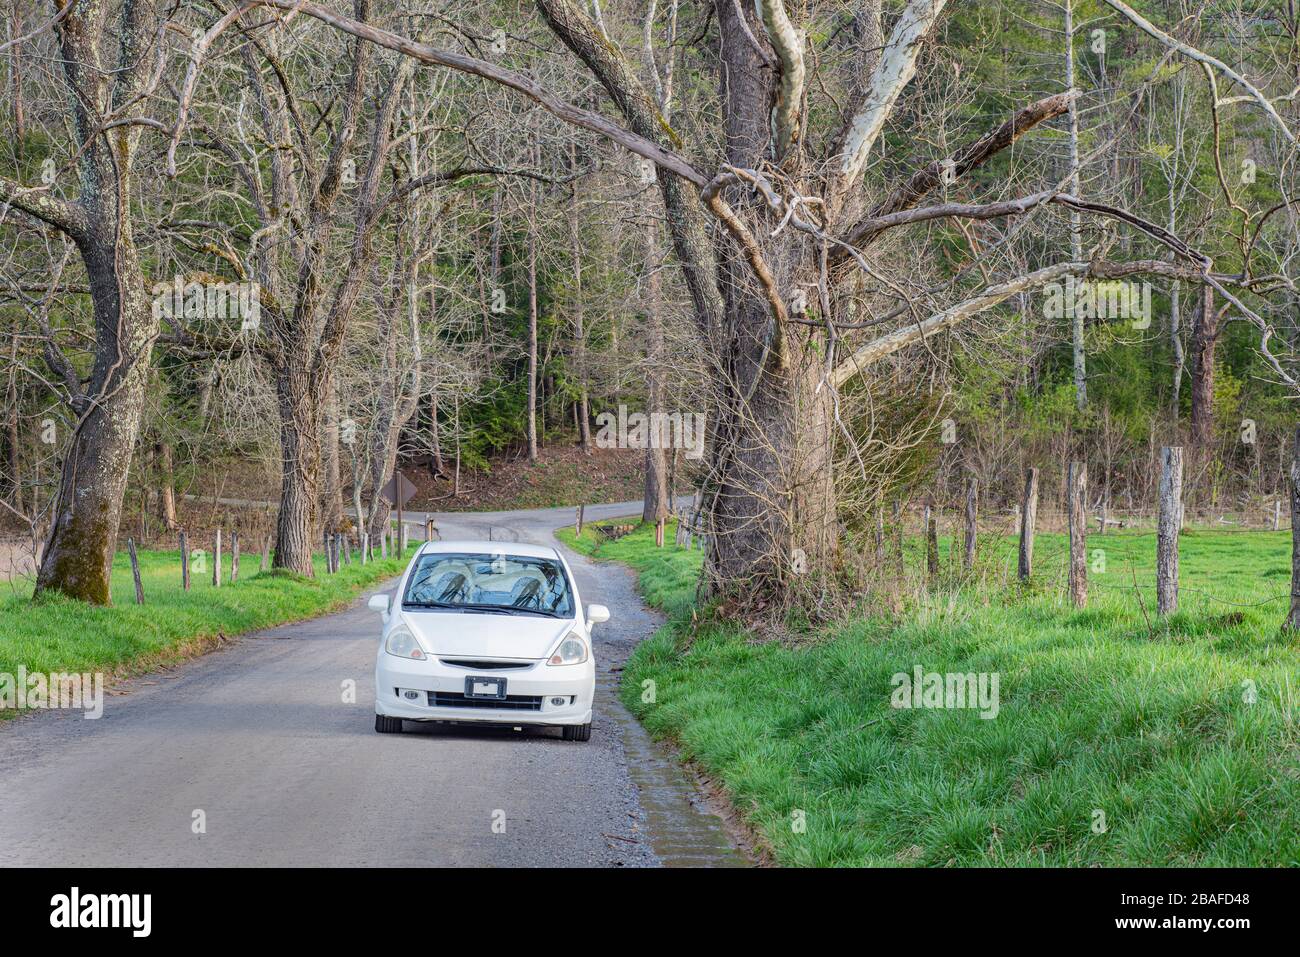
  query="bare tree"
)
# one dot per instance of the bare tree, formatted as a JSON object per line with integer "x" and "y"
{"x": 110, "y": 62}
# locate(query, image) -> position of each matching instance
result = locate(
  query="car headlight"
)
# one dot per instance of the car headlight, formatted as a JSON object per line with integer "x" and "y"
{"x": 403, "y": 643}
{"x": 572, "y": 651}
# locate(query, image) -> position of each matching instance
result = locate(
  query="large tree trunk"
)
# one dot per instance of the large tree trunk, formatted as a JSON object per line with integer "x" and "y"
{"x": 773, "y": 508}
{"x": 770, "y": 487}
{"x": 295, "y": 531}
{"x": 78, "y": 554}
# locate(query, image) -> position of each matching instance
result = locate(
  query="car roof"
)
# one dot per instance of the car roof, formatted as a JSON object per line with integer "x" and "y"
{"x": 523, "y": 549}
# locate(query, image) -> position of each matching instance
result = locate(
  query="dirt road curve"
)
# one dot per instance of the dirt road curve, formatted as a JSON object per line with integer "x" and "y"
{"x": 256, "y": 742}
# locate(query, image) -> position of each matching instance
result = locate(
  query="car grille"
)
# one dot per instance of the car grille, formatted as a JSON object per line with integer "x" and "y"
{"x": 489, "y": 664}
{"x": 512, "y": 702}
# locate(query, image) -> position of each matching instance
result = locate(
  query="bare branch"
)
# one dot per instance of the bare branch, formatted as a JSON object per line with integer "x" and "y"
{"x": 877, "y": 349}
{"x": 37, "y": 202}
{"x": 1147, "y": 27}
{"x": 199, "y": 49}
{"x": 894, "y": 71}
{"x": 929, "y": 177}
{"x": 788, "y": 44}
{"x": 543, "y": 97}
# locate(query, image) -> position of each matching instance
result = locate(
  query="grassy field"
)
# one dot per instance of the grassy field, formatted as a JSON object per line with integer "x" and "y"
{"x": 1183, "y": 735}
{"x": 58, "y": 635}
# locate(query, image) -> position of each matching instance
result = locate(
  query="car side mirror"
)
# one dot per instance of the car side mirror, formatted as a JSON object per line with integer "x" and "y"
{"x": 597, "y": 614}
{"x": 379, "y": 603}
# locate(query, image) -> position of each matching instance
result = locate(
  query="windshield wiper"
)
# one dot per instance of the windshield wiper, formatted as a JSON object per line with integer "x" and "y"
{"x": 534, "y": 611}
{"x": 456, "y": 606}
{"x": 510, "y": 609}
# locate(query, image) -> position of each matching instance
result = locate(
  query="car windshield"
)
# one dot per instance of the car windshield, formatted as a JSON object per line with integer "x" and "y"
{"x": 500, "y": 583}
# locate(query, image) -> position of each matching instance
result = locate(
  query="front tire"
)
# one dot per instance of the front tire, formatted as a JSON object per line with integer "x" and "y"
{"x": 577, "y": 732}
{"x": 386, "y": 725}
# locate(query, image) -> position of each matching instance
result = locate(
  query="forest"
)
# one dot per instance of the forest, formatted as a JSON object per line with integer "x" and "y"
{"x": 891, "y": 253}
{"x": 949, "y": 348}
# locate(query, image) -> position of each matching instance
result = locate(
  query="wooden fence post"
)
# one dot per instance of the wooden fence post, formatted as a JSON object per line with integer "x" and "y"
{"x": 1028, "y": 515}
{"x": 1277, "y": 515}
{"x": 216, "y": 559}
{"x": 365, "y": 547}
{"x": 185, "y": 562}
{"x": 234, "y": 555}
{"x": 659, "y": 533}
{"x": 1077, "y": 479}
{"x": 347, "y": 549}
{"x": 135, "y": 572}
{"x": 1171, "y": 508}
{"x": 972, "y": 504}
{"x": 578, "y": 522}
{"x": 266, "y": 552}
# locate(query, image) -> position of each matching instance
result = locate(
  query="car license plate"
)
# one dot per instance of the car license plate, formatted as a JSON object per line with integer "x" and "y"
{"x": 485, "y": 688}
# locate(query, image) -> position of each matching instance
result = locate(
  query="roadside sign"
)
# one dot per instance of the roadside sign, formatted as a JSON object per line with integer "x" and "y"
{"x": 398, "y": 482}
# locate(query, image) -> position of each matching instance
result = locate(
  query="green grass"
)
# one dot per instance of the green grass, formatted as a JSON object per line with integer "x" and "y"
{"x": 60, "y": 635}
{"x": 1098, "y": 712}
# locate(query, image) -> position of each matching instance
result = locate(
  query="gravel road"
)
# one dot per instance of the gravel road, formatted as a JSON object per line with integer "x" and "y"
{"x": 255, "y": 742}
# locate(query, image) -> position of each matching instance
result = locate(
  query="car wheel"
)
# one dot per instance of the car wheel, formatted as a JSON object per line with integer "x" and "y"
{"x": 386, "y": 725}
{"x": 577, "y": 732}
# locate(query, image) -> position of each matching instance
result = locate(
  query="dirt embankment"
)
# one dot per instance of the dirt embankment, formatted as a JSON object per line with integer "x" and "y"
{"x": 562, "y": 475}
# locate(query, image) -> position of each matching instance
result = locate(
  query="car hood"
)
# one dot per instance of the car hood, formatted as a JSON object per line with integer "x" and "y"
{"x": 478, "y": 635}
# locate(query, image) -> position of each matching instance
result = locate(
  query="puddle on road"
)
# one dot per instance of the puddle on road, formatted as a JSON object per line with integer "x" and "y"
{"x": 681, "y": 832}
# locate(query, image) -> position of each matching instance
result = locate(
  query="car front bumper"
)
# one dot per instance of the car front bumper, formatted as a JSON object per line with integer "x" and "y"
{"x": 439, "y": 692}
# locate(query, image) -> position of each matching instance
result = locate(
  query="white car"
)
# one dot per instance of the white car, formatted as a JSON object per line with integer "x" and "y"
{"x": 486, "y": 633}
